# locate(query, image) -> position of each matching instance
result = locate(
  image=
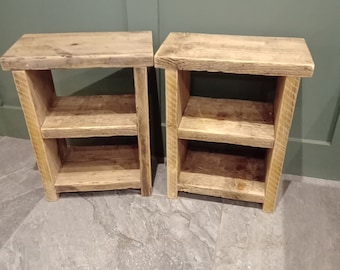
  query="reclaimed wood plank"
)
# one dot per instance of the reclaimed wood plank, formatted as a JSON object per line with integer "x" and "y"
{"x": 89, "y": 116}
{"x": 220, "y": 175}
{"x": 142, "y": 107}
{"x": 80, "y": 50}
{"x": 177, "y": 96}
{"x": 36, "y": 93}
{"x": 277, "y": 56}
{"x": 233, "y": 121}
{"x": 284, "y": 106}
{"x": 92, "y": 168}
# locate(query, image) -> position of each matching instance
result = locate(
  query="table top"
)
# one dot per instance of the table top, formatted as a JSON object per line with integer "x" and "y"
{"x": 80, "y": 50}
{"x": 275, "y": 56}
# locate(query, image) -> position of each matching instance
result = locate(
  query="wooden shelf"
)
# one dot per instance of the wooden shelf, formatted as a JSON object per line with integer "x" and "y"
{"x": 89, "y": 116}
{"x": 92, "y": 168}
{"x": 220, "y": 175}
{"x": 80, "y": 50}
{"x": 246, "y": 123}
{"x": 233, "y": 121}
{"x": 51, "y": 120}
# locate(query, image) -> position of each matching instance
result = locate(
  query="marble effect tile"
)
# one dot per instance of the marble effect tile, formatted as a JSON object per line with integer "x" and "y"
{"x": 111, "y": 231}
{"x": 249, "y": 239}
{"x": 15, "y": 154}
{"x": 19, "y": 183}
{"x": 303, "y": 232}
{"x": 311, "y": 226}
{"x": 13, "y": 212}
{"x": 122, "y": 230}
{"x": 159, "y": 185}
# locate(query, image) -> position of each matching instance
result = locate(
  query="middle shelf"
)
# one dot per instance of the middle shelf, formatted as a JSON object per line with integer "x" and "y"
{"x": 233, "y": 121}
{"x": 89, "y": 116}
{"x": 91, "y": 168}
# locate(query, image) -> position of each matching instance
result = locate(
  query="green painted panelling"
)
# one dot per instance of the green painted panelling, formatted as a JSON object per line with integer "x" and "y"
{"x": 40, "y": 16}
{"x": 316, "y": 21}
{"x": 12, "y": 122}
{"x": 314, "y": 147}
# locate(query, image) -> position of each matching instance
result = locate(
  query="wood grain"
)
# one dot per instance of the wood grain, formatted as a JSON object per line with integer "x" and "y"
{"x": 284, "y": 105}
{"x": 36, "y": 93}
{"x": 220, "y": 175}
{"x": 177, "y": 96}
{"x": 228, "y": 121}
{"x": 92, "y": 168}
{"x": 89, "y": 116}
{"x": 142, "y": 107}
{"x": 236, "y": 54}
{"x": 80, "y": 50}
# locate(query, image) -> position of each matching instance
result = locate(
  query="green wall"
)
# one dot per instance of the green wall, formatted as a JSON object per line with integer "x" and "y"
{"x": 314, "y": 146}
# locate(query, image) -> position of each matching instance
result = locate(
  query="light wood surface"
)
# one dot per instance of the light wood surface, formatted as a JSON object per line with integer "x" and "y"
{"x": 36, "y": 93}
{"x": 91, "y": 168}
{"x": 227, "y": 176}
{"x": 228, "y": 121}
{"x": 80, "y": 50}
{"x": 142, "y": 107}
{"x": 236, "y": 54}
{"x": 177, "y": 95}
{"x": 284, "y": 105}
{"x": 89, "y": 116}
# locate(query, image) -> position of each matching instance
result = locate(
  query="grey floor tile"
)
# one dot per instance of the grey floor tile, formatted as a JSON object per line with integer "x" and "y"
{"x": 19, "y": 183}
{"x": 15, "y": 154}
{"x": 249, "y": 239}
{"x": 159, "y": 185}
{"x": 110, "y": 231}
{"x": 303, "y": 232}
{"x": 20, "y": 188}
{"x": 311, "y": 226}
{"x": 13, "y": 212}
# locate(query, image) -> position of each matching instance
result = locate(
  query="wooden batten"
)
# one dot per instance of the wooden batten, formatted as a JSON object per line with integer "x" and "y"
{"x": 142, "y": 106}
{"x": 177, "y": 95}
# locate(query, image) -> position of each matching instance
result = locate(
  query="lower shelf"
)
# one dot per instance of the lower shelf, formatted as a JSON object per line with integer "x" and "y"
{"x": 220, "y": 175}
{"x": 92, "y": 168}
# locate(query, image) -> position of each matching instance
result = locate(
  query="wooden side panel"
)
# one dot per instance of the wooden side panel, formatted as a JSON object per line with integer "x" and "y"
{"x": 177, "y": 96}
{"x": 283, "y": 110}
{"x": 142, "y": 109}
{"x": 36, "y": 93}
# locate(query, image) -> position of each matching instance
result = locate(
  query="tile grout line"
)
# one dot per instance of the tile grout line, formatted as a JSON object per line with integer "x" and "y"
{"x": 23, "y": 194}
{"x": 18, "y": 170}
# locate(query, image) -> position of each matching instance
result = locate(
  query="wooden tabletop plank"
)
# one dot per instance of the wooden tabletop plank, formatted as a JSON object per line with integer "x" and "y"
{"x": 80, "y": 50}
{"x": 276, "y": 56}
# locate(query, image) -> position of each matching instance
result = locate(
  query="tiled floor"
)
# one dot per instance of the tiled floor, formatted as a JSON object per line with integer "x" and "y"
{"x": 122, "y": 230}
